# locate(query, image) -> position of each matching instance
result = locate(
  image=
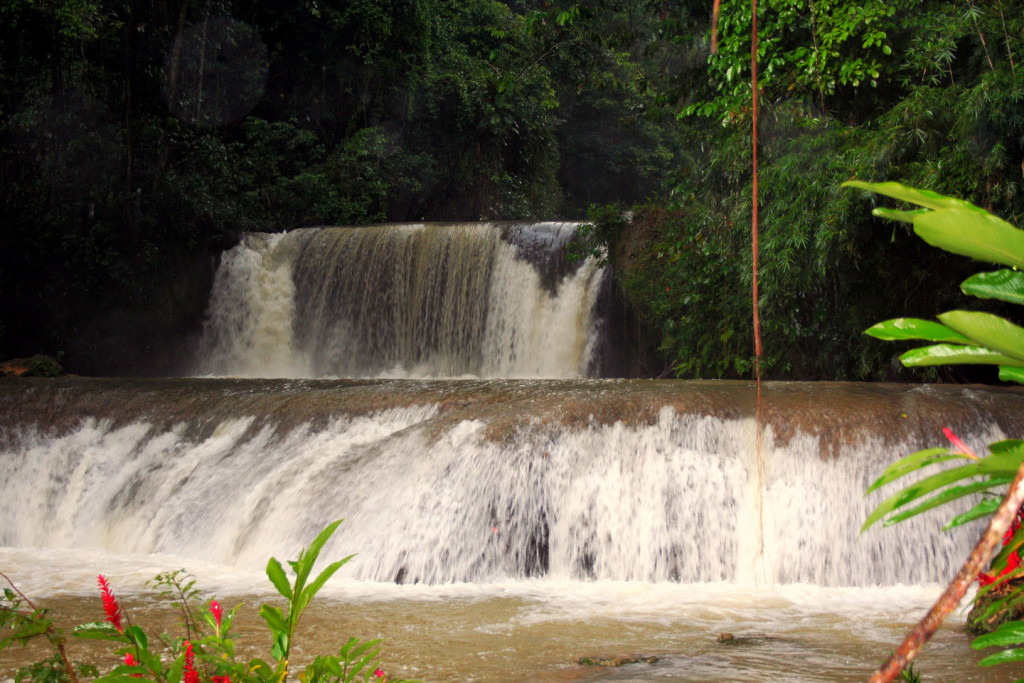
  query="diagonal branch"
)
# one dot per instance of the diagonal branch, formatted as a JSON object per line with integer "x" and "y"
{"x": 954, "y": 593}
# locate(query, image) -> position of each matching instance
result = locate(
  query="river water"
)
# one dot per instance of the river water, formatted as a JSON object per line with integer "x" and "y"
{"x": 503, "y": 528}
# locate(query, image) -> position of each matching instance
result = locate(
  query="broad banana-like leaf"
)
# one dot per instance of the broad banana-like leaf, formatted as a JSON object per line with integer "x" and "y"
{"x": 899, "y": 329}
{"x": 1005, "y": 285}
{"x": 953, "y": 354}
{"x": 973, "y": 233}
{"x": 1009, "y": 373}
{"x": 912, "y": 195}
{"x": 897, "y": 214}
{"x": 988, "y": 330}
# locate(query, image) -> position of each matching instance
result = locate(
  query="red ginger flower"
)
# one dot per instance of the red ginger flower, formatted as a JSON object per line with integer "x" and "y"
{"x": 216, "y": 610}
{"x": 110, "y": 605}
{"x": 1012, "y": 560}
{"x": 220, "y": 679}
{"x": 191, "y": 675}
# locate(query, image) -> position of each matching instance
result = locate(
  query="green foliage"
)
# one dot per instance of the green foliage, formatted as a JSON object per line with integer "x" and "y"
{"x": 967, "y": 337}
{"x": 207, "y": 650}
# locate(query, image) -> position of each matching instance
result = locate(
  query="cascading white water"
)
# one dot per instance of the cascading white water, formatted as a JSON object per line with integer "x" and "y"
{"x": 403, "y": 301}
{"x": 434, "y": 499}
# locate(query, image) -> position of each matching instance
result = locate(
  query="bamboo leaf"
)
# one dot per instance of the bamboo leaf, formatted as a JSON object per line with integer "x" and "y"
{"x": 1005, "y": 285}
{"x": 952, "y": 354}
{"x": 899, "y": 329}
{"x": 921, "y": 488}
{"x": 950, "y": 494}
{"x": 984, "y": 508}
{"x": 988, "y": 330}
{"x": 912, "y": 463}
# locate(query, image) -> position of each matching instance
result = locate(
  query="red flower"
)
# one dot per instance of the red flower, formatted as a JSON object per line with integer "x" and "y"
{"x": 1013, "y": 560}
{"x": 110, "y": 605}
{"x": 129, "y": 660}
{"x": 220, "y": 679}
{"x": 191, "y": 675}
{"x": 960, "y": 445}
{"x": 216, "y": 610}
{"x": 379, "y": 673}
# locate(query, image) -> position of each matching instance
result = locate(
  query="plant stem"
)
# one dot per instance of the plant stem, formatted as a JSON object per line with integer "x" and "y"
{"x": 954, "y": 593}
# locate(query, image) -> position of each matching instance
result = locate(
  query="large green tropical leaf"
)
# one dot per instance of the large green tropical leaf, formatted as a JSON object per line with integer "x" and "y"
{"x": 1009, "y": 373}
{"x": 952, "y": 354}
{"x": 899, "y": 329}
{"x": 973, "y": 233}
{"x": 1005, "y": 285}
{"x": 988, "y": 330}
{"x": 912, "y": 195}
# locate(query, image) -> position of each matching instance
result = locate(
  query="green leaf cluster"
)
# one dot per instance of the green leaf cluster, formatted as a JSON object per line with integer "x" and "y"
{"x": 971, "y": 337}
{"x": 209, "y": 639}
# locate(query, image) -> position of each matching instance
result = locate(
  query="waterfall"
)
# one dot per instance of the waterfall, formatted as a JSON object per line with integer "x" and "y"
{"x": 484, "y": 481}
{"x": 426, "y": 300}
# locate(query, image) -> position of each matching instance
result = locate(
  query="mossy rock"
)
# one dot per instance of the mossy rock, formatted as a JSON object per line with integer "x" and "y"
{"x": 977, "y": 624}
{"x": 38, "y": 365}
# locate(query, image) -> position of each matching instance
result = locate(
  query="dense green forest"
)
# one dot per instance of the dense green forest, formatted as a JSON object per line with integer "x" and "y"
{"x": 139, "y": 138}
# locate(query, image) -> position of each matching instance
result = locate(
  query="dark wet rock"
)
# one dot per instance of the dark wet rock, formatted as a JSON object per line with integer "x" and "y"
{"x": 614, "y": 662}
{"x": 727, "y": 638}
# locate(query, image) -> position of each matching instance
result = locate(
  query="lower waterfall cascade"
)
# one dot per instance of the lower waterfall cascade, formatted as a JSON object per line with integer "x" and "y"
{"x": 483, "y": 481}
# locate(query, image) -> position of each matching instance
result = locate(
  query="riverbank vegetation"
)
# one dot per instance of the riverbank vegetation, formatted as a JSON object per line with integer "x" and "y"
{"x": 137, "y": 140}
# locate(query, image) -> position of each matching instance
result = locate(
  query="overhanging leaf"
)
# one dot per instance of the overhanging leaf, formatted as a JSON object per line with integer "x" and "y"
{"x": 1008, "y": 373}
{"x": 984, "y": 508}
{"x": 898, "y": 215}
{"x": 988, "y": 330}
{"x": 912, "y": 195}
{"x": 899, "y": 329}
{"x": 952, "y": 354}
{"x": 973, "y": 233}
{"x": 1005, "y": 285}
{"x": 949, "y": 494}
{"x": 921, "y": 488}
{"x": 911, "y": 463}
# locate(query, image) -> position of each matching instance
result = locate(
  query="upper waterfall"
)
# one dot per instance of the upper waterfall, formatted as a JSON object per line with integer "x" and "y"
{"x": 416, "y": 300}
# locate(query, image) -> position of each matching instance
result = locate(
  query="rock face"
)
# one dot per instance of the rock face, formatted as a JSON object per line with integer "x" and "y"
{"x": 36, "y": 366}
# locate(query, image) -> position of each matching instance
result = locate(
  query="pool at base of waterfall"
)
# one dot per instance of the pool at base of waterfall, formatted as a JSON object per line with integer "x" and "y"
{"x": 530, "y": 630}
